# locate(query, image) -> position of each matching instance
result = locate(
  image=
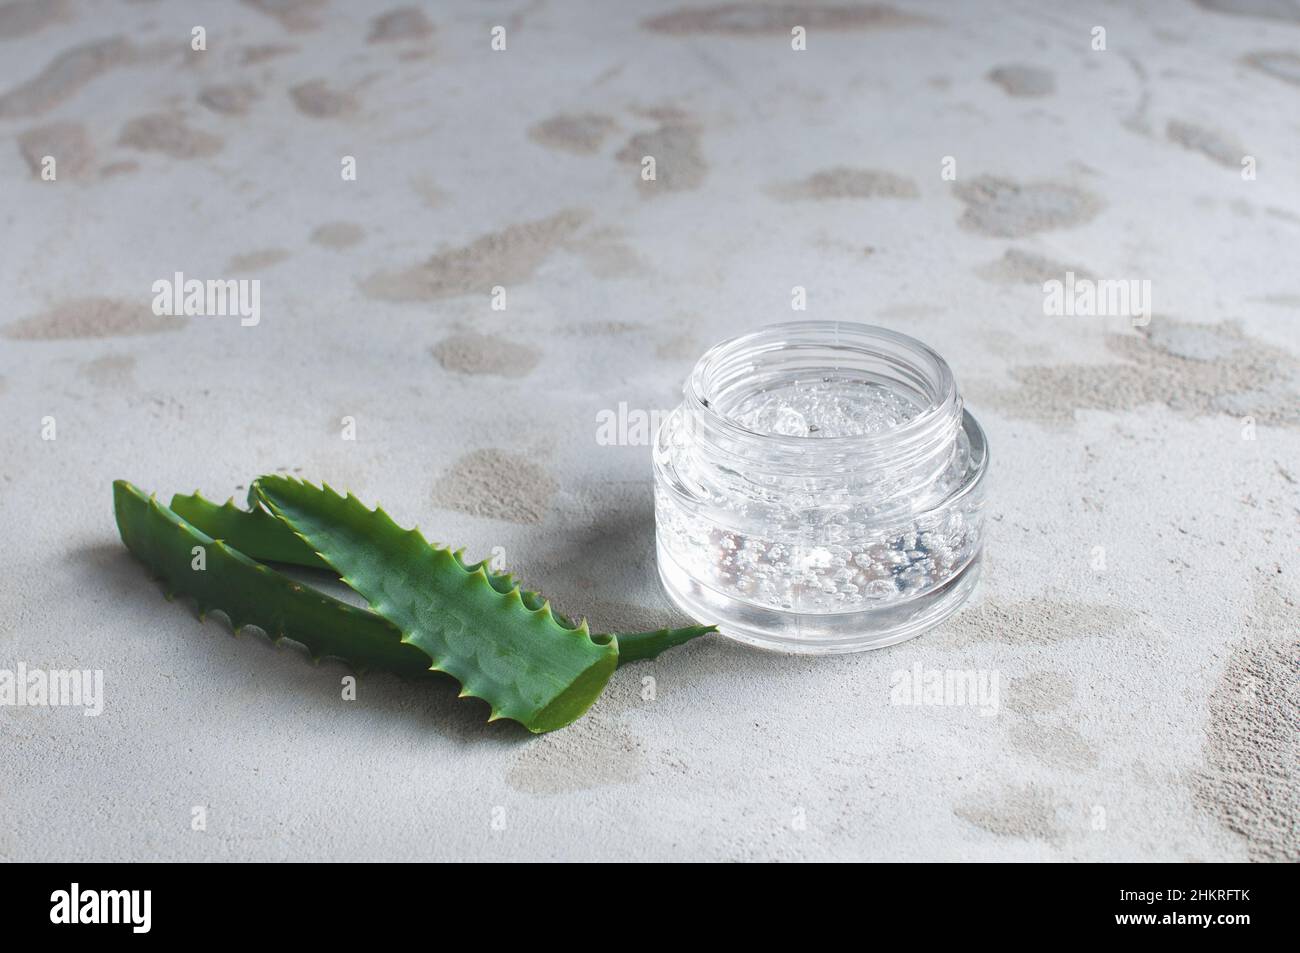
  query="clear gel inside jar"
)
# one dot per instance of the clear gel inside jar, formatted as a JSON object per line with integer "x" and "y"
{"x": 820, "y": 489}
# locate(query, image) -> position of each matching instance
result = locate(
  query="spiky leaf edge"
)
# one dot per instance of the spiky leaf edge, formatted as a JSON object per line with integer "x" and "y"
{"x": 264, "y": 537}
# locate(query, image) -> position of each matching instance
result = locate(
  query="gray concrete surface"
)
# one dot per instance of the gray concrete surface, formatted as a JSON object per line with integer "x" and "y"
{"x": 1139, "y": 600}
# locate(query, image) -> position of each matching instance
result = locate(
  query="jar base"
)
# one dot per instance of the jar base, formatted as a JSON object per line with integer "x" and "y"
{"x": 816, "y": 633}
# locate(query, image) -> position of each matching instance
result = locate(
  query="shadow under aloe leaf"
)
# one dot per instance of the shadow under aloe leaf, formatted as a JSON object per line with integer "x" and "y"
{"x": 604, "y": 570}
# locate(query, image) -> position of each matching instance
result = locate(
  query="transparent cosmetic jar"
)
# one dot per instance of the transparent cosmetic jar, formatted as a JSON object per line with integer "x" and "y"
{"x": 820, "y": 489}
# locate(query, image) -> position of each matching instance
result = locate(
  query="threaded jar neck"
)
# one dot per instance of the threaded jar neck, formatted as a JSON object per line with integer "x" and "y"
{"x": 910, "y": 429}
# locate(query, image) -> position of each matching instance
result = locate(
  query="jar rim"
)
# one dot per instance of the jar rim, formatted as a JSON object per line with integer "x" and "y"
{"x": 944, "y": 405}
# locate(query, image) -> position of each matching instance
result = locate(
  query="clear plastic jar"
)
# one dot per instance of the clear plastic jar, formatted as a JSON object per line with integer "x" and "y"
{"x": 820, "y": 489}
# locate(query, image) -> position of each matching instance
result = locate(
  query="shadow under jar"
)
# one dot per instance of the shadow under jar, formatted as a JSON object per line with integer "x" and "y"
{"x": 820, "y": 489}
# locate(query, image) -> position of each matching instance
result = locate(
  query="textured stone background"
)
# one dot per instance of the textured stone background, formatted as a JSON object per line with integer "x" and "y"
{"x": 1160, "y": 690}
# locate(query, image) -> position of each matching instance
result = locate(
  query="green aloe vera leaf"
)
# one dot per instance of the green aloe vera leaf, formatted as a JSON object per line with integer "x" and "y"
{"x": 255, "y": 533}
{"x": 234, "y": 581}
{"x": 250, "y": 593}
{"x": 263, "y": 537}
{"x": 523, "y": 662}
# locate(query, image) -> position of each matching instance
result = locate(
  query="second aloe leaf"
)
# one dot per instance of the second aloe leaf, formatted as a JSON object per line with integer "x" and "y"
{"x": 524, "y": 662}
